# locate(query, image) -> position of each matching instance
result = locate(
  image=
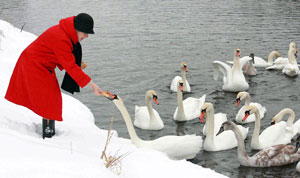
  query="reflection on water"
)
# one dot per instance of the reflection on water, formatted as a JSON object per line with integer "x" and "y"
{"x": 139, "y": 45}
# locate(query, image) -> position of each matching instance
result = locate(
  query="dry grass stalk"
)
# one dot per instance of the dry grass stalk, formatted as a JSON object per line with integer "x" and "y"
{"x": 113, "y": 162}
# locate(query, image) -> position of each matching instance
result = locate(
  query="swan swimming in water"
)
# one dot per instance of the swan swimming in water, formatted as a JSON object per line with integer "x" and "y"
{"x": 189, "y": 108}
{"x": 146, "y": 117}
{"x": 277, "y": 155}
{"x": 291, "y": 128}
{"x": 175, "y": 147}
{"x": 281, "y": 62}
{"x": 186, "y": 85}
{"x": 223, "y": 141}
{"x": 291, "y": 69}
{"x": 272, "y": 135}
{"x": 233, "y": 77}
{"x": 243, "y": 95}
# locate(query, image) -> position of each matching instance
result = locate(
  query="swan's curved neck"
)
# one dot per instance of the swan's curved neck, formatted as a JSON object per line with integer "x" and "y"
{"x": 255, "y": 136}
{"x": 271, "y": 56}
{"x": 183, "y": 76}
{"x": 180, "y": 109}
{"x": 149, "y": 106}
{"x": 247, "y": 99}
{"x": 127, "y": 119}
{"x": 210, "y": 124}
{"x": 291, "y": 117}
{"x": 236, "y": 64}
{"x": 241, "y": 145}
{"x": 291, "y": 57}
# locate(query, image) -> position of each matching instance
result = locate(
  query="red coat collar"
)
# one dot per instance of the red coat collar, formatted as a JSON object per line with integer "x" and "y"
{"x": 67, "y": 25}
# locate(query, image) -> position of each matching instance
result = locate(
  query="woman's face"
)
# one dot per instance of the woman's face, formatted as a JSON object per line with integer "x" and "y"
{"x": 81, "y": 35}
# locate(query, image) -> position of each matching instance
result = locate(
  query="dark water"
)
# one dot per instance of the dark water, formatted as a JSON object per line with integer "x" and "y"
{"x": 139, "y": 46}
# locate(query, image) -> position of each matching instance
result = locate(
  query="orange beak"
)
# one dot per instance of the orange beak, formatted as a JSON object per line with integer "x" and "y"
{"x": 185, "y": 68}
{"x": 202, "y": 117}
{"x": 246, "y": 115}
{"x": 155, "y": 100}
{"x": 237, "y": 103}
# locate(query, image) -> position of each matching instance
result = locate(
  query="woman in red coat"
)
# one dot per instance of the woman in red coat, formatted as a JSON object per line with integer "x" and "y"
{"x": 33, "y": 83}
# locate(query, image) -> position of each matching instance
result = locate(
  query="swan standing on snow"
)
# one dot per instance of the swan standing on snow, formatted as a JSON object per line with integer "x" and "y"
{"x": 186, "y": 85}
{"x": 290, "y": 128}
{"x": 146, "y": 117}
{"x": 240, "y": 115}
{"x": 223, "y": 141}
{"x": 292, "y": 68}
{"x": 233, "y": 78}
{"x": 272, "y": 135}
{"x": 175, "y": 147}
{"x": 189, "y": 108}
{"x": 280, "y": 62}
{"x": 277, "y": 155}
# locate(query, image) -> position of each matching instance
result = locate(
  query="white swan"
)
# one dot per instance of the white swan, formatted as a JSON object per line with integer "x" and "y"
{"x": 233, "y": 78}
{"x": 223, "y": 141}
{"x": 240, "y": 115}
{"x": 277, "y": 155}
{"x": 189, "y": 108}
{"x": 175, "y": 147}
{"x": 291, "y": 128}
{"x": 146, "y": 117}
{"x": 186, "y": 85}
{"x": 272, "y": 135}
{"x": 292, "y": 68}
{"x": 280, "y": 62}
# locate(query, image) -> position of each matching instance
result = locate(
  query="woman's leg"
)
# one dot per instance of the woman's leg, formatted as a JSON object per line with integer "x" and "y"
{"x": 48, "y": 128}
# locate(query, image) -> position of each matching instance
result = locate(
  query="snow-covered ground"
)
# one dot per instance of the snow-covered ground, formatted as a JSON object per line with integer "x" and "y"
{"x": 75, "y": 150}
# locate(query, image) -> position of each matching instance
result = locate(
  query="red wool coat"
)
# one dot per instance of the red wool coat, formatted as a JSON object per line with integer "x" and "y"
{"x": 33, "y": 83}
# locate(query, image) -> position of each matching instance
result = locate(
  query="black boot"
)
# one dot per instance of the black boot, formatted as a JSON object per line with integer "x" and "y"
{"x": 48, "y": 128}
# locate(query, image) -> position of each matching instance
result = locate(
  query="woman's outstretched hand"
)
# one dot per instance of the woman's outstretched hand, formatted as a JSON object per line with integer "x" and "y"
{"x": 95, "y": 88}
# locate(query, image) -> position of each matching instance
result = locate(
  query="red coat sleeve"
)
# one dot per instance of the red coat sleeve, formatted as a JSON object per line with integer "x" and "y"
{"x": 65, "y": 57}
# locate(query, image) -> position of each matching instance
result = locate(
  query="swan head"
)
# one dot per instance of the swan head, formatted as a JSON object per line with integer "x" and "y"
{"x": 237, "y": 52}
{"x": 205, "y": 108}
{"x": 180, "y": 85}
{"x": 227, "y": 125}
{"x": 252, "y": 57}
{"x": 250, "y": 110}
{"x": 278, "y": 117}
{"x": 292, "y": 45}
{"x": 293, "y": 51}
{"x": 110, "y": 96}
{"x": 152, "y": 94}
{"x": 184, "y": 66}
{"x": 240, "y": 96}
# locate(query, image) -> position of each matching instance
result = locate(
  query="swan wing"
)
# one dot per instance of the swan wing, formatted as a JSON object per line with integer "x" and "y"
{"x": 291, "y": 69}
{"x": 192, "y": 107}
{"x": 225, "y": 69}
{"x": 260, "y": 62}
{"x": 262, "y": 110}
{"x": 273, "y": 135}
{"x": 177, "y": 147}
{"x": 141, "y": 117}
{"x": 224, "y": 141}
{"x": 278, "y": 64}
{"x": 244, "y": 60}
